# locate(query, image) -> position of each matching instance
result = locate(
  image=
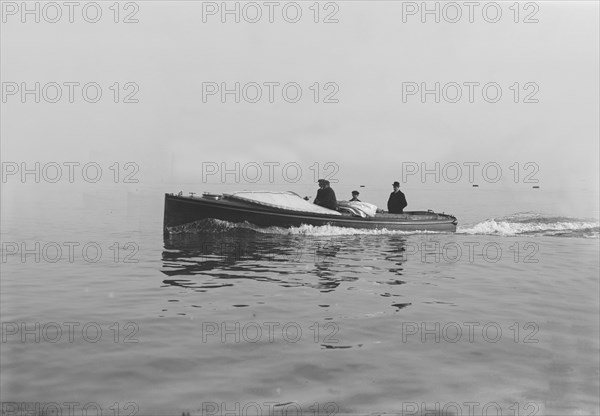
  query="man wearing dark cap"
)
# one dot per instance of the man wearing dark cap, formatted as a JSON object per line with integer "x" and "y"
{"x": 325, "y": 195}
{"x": 355, "y": 196}
{"x": 397, "y": 201}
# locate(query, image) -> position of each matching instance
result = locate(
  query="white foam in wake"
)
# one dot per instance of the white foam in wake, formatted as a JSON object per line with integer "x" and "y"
{"x": 329, "y": 230}
{"x": 508, "y": 228}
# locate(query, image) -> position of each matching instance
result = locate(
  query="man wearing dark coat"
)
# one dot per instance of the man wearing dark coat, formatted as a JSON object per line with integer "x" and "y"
{"x": 397, "y": 200}
{"x": 325, "y": 195}
{"x": 355, "y": 196}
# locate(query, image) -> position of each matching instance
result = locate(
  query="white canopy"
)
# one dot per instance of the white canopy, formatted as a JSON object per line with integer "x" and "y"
{"x": 285, "y": 200}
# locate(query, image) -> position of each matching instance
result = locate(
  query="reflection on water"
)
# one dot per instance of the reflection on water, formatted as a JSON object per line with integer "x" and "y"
{"x": 362, "y": 290}
{"x": 207, "y": 261}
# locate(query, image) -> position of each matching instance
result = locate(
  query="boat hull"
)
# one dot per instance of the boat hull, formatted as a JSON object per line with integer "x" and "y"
{"x": 180, "y": 210}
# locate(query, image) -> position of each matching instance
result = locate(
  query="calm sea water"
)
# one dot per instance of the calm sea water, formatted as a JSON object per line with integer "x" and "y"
{"x": 217, "y": 319}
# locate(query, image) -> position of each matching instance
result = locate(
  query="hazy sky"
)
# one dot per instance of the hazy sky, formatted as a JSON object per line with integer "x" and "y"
{"x": 369, "y": 56}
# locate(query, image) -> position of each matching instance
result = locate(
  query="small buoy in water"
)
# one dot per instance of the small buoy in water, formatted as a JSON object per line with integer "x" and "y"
{"x": 362, "y": 186}
{"x": 536, "y": 187}
{"x": 475, "y": 186}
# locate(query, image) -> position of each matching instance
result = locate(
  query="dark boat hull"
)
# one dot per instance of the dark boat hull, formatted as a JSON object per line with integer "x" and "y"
{"x": 180, "y": 210}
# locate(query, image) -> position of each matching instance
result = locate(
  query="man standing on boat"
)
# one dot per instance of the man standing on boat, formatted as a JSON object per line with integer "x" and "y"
{"x": 397, "y": 200}
{"x": 325, "y": 195}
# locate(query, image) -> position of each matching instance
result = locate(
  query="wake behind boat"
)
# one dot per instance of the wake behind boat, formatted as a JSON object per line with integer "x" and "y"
{"x": 287, "y": 209}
